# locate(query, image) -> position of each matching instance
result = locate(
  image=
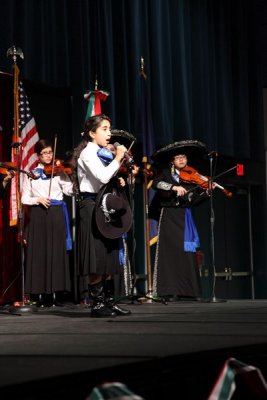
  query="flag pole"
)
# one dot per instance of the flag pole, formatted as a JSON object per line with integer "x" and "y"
{"x": 147, "y": 234}
{"x": 149, "y": 294}
{"x": 14, "y": 53}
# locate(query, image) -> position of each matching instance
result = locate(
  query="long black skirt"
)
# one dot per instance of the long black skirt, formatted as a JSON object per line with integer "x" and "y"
{"x": 175, "y": 271}
{"x": 47, "y": 262}
{"x": 96, "y": 254}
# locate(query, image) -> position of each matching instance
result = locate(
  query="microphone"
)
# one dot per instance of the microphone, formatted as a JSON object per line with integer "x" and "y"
{"x": 212, "y": 153}
{"x": 126, "y": 155}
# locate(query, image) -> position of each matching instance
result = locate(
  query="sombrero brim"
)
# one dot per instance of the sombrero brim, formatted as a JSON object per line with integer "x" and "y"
{"x": 118, "y": 226}
{"x": 122, "y": 137}
{"x": 191, "y": 148}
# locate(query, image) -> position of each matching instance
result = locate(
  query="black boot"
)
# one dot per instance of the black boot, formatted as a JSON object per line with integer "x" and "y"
{"x": 55, "y": 302}
{"x": 110, "y": 301}
{"x": 99, "y": 309}
{"x": 40, "y": 301}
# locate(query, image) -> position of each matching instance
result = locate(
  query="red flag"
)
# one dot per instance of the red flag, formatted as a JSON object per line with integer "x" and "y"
{"x": 28, "y": 159}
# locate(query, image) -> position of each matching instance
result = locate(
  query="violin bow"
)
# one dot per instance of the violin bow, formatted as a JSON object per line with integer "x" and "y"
{"x": 131, "y": 145}
{"x": 53, "y": 165}
{"x": 122, "y": 161}
{"x": 226, "y": 192}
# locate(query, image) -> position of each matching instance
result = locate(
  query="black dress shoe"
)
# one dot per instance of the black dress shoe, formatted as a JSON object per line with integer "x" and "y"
{"x": 199, "y": 299}
{"x": 57, "y": 304}
{"x": 118, "y": 310}
{"x": 101, "y": 311}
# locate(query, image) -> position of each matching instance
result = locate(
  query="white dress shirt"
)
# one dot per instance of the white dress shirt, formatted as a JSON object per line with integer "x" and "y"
{"x": 33, "y": 189}
{"x": 92, "y": 173}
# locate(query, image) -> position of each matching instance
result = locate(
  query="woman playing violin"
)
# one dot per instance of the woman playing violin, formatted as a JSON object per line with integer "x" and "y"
{"x": 176, "y": 270}
{"x": 48, "y": 236}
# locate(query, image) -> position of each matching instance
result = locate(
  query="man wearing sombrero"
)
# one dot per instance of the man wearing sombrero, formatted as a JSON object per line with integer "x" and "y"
{"x": 176, "y": 270}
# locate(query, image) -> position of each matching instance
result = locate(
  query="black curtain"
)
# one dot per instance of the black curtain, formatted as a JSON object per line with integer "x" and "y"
{"x": 204, "y": 80}
{"x": 201, "y": 59}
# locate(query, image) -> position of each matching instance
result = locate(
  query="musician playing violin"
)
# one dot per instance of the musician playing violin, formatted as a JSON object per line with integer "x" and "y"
{"x": 4, "y": 181}
{"x": 48, "y": 236}
{"x": 176, "y": 272}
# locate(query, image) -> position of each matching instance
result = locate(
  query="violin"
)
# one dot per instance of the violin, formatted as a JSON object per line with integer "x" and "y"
{"x": 145, "y": 171}
{"x": 10, "y": 166}
{"x": 58, "y": 167}
{"x": 189, "y": 174}
{"x": 125, "y": 167}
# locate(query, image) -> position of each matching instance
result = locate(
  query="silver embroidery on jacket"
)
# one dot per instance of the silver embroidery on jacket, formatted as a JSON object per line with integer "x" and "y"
{"x": 164, "y": 185}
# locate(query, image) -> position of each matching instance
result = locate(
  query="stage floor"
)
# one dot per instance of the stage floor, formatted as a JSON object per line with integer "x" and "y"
{"x": 62, "y": 351}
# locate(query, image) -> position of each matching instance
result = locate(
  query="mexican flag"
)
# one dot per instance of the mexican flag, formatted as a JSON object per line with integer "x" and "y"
{"x": 94, "y": 97}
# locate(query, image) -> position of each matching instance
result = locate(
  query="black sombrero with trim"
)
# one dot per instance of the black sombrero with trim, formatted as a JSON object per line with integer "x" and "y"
{"x": 191, "y": 148}
{"x": 112, "y": 212}
{"x": 122, "y": 137}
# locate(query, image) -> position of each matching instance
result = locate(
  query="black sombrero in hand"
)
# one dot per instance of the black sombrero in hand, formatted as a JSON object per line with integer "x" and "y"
{"x": 112, "y": 212}
{"x": 191, "y": 148}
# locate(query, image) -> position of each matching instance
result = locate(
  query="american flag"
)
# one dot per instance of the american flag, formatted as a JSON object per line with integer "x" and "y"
{"x": 27, "y": 157}
{"x": 28, "y": 132}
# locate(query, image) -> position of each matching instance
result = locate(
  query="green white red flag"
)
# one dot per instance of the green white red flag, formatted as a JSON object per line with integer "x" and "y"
{"x": 94, "y": 98}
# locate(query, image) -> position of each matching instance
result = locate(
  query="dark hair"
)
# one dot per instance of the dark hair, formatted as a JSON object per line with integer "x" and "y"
{"x": 40, "y": 145}
{"x": 90, "y": 125}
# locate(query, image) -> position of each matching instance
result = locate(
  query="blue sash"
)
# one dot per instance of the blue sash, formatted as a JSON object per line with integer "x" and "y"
{"x": 67, "y": 223}
{"x": 105, "y": 155}
{"x": 121, "y": 249}
{"x": 39, "y": 173}
{"x": 191, "y": 239}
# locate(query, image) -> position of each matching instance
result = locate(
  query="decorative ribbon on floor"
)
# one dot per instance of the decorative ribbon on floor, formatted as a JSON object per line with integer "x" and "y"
{"x": 113, "y": 391}
{"x": 225, "y": 386}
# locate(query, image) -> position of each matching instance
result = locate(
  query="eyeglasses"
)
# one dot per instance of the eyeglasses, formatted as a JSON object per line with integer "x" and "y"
{"x": 46, "y": 153}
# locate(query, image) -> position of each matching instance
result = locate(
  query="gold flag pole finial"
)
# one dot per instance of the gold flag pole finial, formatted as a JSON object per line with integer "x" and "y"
{"x": 14, "y": 52}
{"x": 96, "y": 83}
{"x": 142, "y": 67}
